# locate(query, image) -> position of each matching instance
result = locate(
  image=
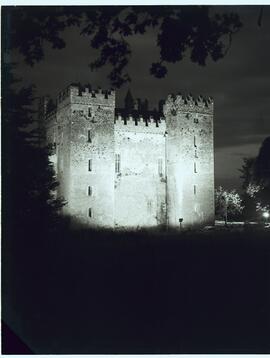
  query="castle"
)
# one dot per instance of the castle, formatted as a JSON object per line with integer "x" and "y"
{"x": 132, "y": 168}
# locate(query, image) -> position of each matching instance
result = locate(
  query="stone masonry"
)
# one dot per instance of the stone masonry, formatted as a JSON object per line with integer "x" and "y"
{"x": 130, "y": 169}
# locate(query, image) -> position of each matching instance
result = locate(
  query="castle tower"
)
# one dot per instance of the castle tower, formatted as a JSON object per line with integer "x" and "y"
{"x": 85, "y": 154}
{"x": 190, "y": 161}
{"x": 133, "y": 170}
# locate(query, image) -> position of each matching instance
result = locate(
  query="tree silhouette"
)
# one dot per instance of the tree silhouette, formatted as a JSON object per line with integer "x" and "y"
{"x": 262, "y": 175}
{"x": 180, "y": 31}
{"x": 28, "y": 175}
{"x": 256, "y": 181}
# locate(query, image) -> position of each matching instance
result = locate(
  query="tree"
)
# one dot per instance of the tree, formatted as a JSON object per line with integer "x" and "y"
{"x": 247, "y": 172}
{"x": 28, "y": 176}
{"x": 249, "y": 188}
{"x": 228, "y": 204}
{"x": 180, "y": 30}
{"x": 256, "y": 182}
{"x": 262, "y": 176}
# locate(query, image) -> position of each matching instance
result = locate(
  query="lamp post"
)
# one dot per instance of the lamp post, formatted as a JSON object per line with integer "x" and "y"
{"x": 266, "y": 215}
{"x": 180, "y": 222}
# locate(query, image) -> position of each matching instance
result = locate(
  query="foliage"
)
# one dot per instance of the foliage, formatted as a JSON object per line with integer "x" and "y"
{"x": 180, "y": 30}
{"x": 262, "y": 176}
{"x": 28, "y": 176}
{"x": 256, "y": 182}
{"x": 227, "y": 203}
{"x": 247, "y": 173}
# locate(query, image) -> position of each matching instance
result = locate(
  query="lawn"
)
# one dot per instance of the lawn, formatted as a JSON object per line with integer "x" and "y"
{"x": 91, "y": 292}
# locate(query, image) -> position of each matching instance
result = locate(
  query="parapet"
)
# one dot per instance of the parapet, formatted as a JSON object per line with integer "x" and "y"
{"x": 189, "y": 103}
{"x": 139, "y": 121}
{"x": 84, "y": 95}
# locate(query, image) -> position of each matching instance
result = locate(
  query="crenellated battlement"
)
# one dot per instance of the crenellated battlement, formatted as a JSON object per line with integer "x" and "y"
{"x": 139, "y": 120}
{"x": 86, "y": 95}
{"x": 188, "y": 103}
{"x": 134, "y": 166}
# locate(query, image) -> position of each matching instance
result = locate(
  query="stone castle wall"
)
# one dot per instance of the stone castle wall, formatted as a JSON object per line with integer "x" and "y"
{"x": 133, "y": 172}
{"x": 190, "y": 162}
{"x": 140, "y": 186}
{"x": 92, "y": 157}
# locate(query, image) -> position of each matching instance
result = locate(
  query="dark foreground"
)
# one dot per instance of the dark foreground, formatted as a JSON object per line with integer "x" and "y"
{"x": 87, "y": 292}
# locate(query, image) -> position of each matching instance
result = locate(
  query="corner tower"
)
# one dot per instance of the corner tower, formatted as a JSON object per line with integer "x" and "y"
{"x": 190, "y": 161}
{"x": 91, "y": 196}
{"x": 82, "y": 129}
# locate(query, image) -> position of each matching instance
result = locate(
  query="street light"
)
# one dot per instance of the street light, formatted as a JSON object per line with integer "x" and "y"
{"x": 266, "y": 215}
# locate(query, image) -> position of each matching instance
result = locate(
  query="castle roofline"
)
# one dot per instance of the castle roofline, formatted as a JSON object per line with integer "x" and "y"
{"x": 190, "y": 99}
{"x": 189, "y": 103}
{"x": 138, "y": 113}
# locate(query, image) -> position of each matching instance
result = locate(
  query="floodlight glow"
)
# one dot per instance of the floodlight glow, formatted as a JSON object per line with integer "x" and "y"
{"x": 266, "y": 215}
{"x": 144, "y": 172}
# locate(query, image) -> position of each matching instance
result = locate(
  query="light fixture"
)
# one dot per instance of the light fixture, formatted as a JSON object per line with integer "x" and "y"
{"x": 266, "y": 214}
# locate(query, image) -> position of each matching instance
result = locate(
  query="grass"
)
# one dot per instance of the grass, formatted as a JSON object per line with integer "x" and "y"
{"x": 102, "y": 292}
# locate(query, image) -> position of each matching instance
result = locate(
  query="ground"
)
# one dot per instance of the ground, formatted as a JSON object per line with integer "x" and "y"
{"x": 92, "y": 292}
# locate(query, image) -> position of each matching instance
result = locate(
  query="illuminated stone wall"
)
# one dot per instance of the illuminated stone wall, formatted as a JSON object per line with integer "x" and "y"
{"x": 140, "y": 187}
{"x": 91, "y": 197}
{"x": 133, "y": 172}
{"x": 190, "y": 161}
{"x": 58, "y": 135}
{"x": 51, "y": 137}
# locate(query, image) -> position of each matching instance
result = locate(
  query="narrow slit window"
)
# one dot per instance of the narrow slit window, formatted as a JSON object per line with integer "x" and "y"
{"x": 117, "y": 163}
{"x": 196, "y": 153}
{"x": 89, "y": 137}
{"x": 90, "y": 191}
{"x": 90, "y": 165}
{"x": 89, "y": 112}
{"x": 195, "y": 189}
{"x": 160, "y": 170}
{"x": 195, "y": 144}
{"x": 195, "y": 168}
{"x": 90, "y": 213}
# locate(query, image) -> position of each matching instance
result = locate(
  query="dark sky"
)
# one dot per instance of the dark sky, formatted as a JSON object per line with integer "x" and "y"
{"x": 239, "y": 84}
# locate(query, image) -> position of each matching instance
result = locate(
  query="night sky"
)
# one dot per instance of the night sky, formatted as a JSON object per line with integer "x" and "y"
{"x": 239, "y": 84}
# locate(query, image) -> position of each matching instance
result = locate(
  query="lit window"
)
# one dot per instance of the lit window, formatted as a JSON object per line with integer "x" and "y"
{"x": 195, "y": 168}
{"x": 89, "y": 137}
{"x": 90, "y": 213}
{"x": 89, "y": 112}
{"x": 117, "y": 163}
{"x": 160, "y": 172}
{"x": 90, "y": 165}
{"x": 90, "y": 191}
